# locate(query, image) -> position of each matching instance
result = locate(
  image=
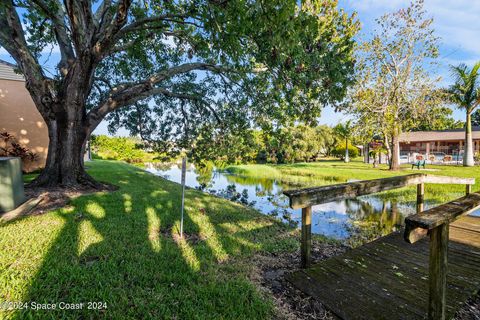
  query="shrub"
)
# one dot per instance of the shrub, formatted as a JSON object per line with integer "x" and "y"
{"x": 11, "y": 148}
{"x": 339, "y": 151}
{"x": 119, "y": 148}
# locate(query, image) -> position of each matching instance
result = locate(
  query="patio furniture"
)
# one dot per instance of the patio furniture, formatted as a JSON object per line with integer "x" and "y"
{"x": 418, "y": 164}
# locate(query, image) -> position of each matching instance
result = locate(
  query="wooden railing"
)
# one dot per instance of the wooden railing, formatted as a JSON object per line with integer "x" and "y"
{"x": 435, "y": 222}
{"x": 306, "y": 198}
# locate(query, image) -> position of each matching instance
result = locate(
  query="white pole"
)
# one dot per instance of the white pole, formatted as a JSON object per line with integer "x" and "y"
{"x": 184, "y": 170}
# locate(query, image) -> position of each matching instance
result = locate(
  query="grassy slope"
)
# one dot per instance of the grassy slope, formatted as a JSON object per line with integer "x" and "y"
{"x": 327, "y": 172}
{"x": 117, "y": 247}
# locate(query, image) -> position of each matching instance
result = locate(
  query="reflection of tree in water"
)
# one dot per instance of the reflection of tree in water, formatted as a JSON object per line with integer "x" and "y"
{"x": 265, "y": 183}
{"x": 204, "y": 173}
{"x": 369, "y": 222}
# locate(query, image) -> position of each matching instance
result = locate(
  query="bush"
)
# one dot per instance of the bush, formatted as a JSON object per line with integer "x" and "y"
{"x": 11, "y": 148}
{"x": 339, "y": 151}
{"x": 119, "y": 148}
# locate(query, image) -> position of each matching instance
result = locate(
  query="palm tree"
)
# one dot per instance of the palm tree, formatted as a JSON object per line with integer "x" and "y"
{"x": 345, "y": 131}
{"x": 465, "y": 93}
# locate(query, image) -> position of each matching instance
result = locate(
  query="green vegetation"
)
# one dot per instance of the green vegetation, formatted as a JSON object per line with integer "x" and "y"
{"x": 121, "y": 248}
{"x": 327, "y": 172}
{"x": 465, "y": 93}
{"x": 239, "y": 64}
{"x": 300, "y": 143}
{"x": 395, "y": 90}
{"x": 126, "y": 149}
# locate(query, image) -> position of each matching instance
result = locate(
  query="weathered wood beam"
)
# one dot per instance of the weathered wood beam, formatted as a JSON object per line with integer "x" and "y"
{"x": 443, "y": 214}
{"x": 302, "y": 198}
{"x": 306, "y": 241}
{"x": 427, "y": 178}
{"x": 437, "y": 272}
{"x": 420, "y": 196}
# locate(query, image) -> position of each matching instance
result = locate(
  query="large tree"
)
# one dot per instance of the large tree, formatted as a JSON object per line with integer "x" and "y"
{"x": 465, "y": 93}
{"x": 394, "y": 90}
{"x": 192, "y": 56}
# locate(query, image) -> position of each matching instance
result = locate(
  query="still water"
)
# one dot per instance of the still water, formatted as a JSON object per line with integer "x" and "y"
{"x": 359, "y": 219}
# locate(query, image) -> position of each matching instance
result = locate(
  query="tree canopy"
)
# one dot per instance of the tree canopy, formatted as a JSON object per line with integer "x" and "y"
{"x": 465, "y": 93}
{"x": 394, "y": 91}
{"x": 165, "y": 68}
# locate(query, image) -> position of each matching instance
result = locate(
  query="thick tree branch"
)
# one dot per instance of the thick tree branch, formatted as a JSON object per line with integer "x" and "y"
{"x": 110, "y": 26}
{"x": 61, "y": 32}
{"x": 129, "y": 93}
{"x": 152, "y": 22}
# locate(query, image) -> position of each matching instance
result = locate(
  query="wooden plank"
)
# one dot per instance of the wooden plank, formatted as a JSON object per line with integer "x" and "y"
{"x": 302, "y": 198}
{"x": 437, "y": 216}
{"x": 428, "y": 178}
{"x": 468, "y": 189}
{"x": 420, "y": 196}
{"x": 306, "y": 241}
{"x": 388, "y": 279}
{"x": 438, "y": 266}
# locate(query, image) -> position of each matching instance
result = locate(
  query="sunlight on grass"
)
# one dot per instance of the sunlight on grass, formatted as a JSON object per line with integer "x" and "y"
{"x": 207, "y": 231}
{"x": 153, "y": 229}
{"x": 87, "y": 236}
{"x": 92, "y": 250}
{"x": 22, "y": 251}
{"x": 127, "y": 202}
{"x": 188, "y": 253}
{"x": 95, "y": 210}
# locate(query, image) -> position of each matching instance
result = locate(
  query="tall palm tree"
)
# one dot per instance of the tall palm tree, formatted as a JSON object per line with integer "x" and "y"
{"x": 465, "y": 93}
{"x": 345, "y": 131}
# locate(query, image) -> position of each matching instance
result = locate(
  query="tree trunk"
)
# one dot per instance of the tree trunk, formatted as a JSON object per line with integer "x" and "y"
{"x": 347, "y": 159}
{"x": 468, "y": 160}
{"x": 387, "y": 147}
{"x": 64, "y": 166}
{"x": 395, "y": 155}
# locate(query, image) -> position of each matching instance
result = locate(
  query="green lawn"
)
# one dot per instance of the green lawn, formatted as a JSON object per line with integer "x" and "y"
{"x": 332, "y": 171}
{"x": 118, "y": 248}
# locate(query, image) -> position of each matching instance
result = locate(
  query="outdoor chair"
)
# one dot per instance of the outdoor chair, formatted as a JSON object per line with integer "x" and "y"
{"x": 418, "y": 164}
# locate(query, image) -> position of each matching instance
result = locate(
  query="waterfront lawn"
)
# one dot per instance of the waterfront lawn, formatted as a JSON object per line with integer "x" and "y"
{"x": 121, "y": 249}
{"x": 334, "y": 171}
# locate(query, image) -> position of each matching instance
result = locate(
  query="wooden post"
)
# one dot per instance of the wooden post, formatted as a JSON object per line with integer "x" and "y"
{"x": 438, "y": 272}
{"x": 468, "y": 189}
{"x": 420, "y": 196}
{"x": 306, "y": 245}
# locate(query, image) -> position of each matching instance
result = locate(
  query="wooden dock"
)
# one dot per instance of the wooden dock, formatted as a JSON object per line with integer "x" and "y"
{"x": 396, "y": 277}
{"x": 388, "y": 278}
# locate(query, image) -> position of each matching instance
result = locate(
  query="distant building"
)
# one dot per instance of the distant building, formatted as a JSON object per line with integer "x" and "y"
{"x": 20, "y": 117}
{"x": 437, "y": 143}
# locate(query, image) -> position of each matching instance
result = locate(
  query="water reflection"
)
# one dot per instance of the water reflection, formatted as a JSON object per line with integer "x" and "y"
{"x": 357, "y": 220}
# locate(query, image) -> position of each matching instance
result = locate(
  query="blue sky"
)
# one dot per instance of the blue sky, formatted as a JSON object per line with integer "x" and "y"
{"x": 456, "y": 22}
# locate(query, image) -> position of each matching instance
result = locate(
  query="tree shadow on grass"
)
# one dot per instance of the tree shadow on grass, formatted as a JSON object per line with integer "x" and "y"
{"x": 120, "y": 249}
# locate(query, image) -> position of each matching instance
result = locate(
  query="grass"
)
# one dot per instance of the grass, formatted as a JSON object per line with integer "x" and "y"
{"x": 334, "y": 171}
{"x": 119, "y": 248}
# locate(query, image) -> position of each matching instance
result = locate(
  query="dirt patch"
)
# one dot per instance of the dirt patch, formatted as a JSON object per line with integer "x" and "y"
{"x": 54, "y": 198}
{"x": 191, "y": 238}
{"x": 270, "y": 271}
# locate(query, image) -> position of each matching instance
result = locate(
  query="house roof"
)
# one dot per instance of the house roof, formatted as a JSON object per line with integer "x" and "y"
{"x": 443, "y": 135}
{"x": 7, "y": 72}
